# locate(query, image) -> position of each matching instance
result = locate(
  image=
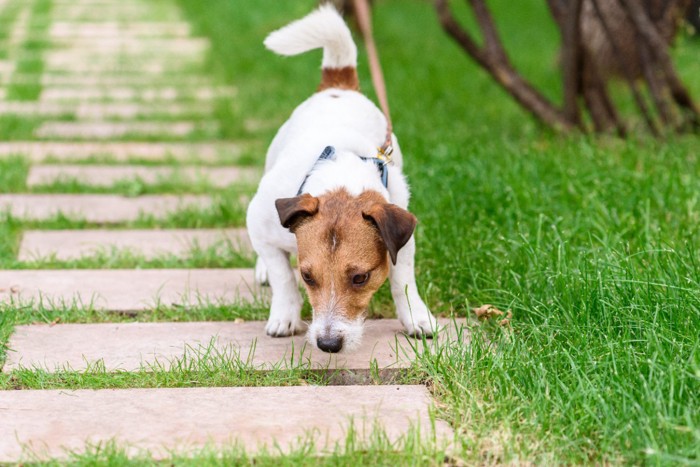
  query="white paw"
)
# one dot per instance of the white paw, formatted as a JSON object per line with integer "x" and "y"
{"x": 418, "y": 321}
{"x": 284, "y": 327}
{"x": 261, "y": 272}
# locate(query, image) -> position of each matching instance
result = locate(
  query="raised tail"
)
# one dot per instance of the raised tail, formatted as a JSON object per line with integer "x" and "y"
{"x": 323, "y": 28}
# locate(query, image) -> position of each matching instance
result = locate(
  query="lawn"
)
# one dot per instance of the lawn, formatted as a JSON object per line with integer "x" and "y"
{"x": 592, "y": 242}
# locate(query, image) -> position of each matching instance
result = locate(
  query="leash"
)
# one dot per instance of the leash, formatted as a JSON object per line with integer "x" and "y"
{"x": 364, "y": 21}
{"x": 383, "y": 157}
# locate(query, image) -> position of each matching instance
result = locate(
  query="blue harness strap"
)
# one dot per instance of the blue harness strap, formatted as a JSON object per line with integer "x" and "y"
{"x": 382, "y": 167}
{"x": 329, "y": 152}
{"x": 325, "y": 155}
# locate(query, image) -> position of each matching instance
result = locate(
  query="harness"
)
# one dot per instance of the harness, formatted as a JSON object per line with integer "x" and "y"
{"x": 381, "y": 160}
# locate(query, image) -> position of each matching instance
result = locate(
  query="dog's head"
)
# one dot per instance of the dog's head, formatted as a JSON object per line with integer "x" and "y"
{"x": 344, "y": 245}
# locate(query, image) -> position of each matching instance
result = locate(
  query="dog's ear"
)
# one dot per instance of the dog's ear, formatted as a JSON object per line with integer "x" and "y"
{"x": 395, "y": 225}
{"x": 293, "y": 210}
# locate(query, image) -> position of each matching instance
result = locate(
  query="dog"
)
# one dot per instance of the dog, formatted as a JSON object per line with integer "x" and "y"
{"x": 325, "y": 198}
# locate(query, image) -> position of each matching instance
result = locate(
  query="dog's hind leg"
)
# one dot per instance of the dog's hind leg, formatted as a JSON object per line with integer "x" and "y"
{"x": 410, "y": 308}
{"x": 261, "y": 272}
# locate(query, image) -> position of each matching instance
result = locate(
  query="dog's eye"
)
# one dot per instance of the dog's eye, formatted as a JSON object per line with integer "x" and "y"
{"x": 360, "y": 279}
{"x": 307, "y": 278}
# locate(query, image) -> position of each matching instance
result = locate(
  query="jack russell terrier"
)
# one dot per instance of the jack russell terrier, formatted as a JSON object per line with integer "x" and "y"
{"x": 327, "y": 198}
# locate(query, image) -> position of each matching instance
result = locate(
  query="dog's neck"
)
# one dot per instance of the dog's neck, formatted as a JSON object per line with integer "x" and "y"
{"x": 345, "y": 169}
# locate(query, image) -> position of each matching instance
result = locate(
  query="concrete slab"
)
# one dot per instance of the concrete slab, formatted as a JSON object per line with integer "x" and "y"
{"x": 135, "y": 346}
{"x": 74, "y": 244}
{"x": 131, "y": 68}
{"x": 171, "y": 62}
{"x": 125, "y": 289}
{"x": 102, "y": 209}
{"x": 126, "y": 43}
{"x": 64, "y": 80}
{"x": 110, "y": 130}
{"x": 108, "y": 175}
{"x": 40, "y": 151}
{"x": 106, "y": 110}
{"x": 127, "y": 93}
{"x": 63, "y": 29}
{"x": 39, "y": 425}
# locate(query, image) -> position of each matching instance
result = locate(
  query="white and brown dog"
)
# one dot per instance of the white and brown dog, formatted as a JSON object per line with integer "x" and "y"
{"x": 323, "y": 186}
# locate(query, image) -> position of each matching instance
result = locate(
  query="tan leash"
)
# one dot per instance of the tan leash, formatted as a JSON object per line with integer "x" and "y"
{"x": 364, "y": 21}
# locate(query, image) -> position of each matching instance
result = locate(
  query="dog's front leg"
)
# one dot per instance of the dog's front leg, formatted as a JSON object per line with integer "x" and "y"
{"x": 285, "y": 310}
{"x": 410, "y": 308}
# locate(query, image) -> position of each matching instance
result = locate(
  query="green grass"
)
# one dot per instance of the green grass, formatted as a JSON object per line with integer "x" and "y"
{"x": 33, "y": 46}
{"x": 375, "y": 448}
{"x": 592, "y": 242}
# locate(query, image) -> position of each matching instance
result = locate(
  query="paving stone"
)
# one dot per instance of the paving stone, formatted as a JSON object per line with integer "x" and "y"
{"x": 166, "y": 93}
{"x": 83, "y": 60}
{"x": 133, "y": 346}
{"x": 62, "y": 29}
{"x": 120, "y": 151}
{"x": 50, "y": 424}
{"x": 110, "y": 130}
{"x": 129, "y": 43}
{"x": 116, "y": 80}
{"x": 133, "y": 12}
{"x": 105, "y": 110}
{"x": 148, "y": 68}
{"x": 74, "y": 244}
{"x": 108, "y": 175}
{"x": 127, "y": 290}
{"x": 102, "y": 209}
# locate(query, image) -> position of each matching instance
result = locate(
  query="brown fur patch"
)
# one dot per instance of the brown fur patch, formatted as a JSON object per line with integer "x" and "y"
{"x": 339, "y": 78}
{"x": 336, "y": 245}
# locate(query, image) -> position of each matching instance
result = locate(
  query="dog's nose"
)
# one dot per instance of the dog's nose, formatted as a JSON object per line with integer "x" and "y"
{"x": 330, "y": 344}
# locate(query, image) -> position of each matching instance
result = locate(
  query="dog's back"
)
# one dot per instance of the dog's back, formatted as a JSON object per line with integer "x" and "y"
{"x": 324, "y": 28}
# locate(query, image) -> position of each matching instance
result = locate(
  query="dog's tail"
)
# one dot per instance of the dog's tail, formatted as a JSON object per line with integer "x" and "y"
{"x": 322, "y": 28}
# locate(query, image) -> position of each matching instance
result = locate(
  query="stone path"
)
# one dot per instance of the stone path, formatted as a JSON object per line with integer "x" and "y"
{"x": 76, "y": 244}
{"x": 132, "y": 346}
{"x": 105, "y": 110}
{"x": 123, "y": 95}
{"x": 100, "y": 209}
{"x": 99, "y": 175}
{"x": 116, "y": 130}
{"x": 160, "y": 420}
{"x": 127, "y": 290}
{"x": 121, "y": 151}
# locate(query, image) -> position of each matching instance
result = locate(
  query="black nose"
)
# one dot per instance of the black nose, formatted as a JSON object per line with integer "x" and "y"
{"x": 330, "y": 344}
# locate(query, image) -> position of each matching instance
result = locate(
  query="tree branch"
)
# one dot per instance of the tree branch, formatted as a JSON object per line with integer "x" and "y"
{"x": 492, "y": 58}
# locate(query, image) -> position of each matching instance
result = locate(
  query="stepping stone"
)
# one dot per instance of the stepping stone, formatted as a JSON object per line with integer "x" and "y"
{"x": 105, "y": 110}
{"x": 63, "y": 29}
{"x": 43, "y": 425}
{"x": 132, "y": 44}
{"x": 110, "y": 130}
{"x": 135, "y": 94}
{"x": 116, "y": 80}
{"x": 120, "y": 151}
{"x": 74, "y": 244}
{"x": 127, "y": 290}
{"x": 120, "y": 14}
{"x": 66, "y": 61}
{"x": 103, "y": 209}
{"x": 135, "y": 346}
{"x": 108, "y": 175}
{"x": 131, "y": 68}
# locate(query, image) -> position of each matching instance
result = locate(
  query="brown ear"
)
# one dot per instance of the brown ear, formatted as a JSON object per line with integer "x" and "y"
{"x": 293, "y": 210}
{"x": 395, "y": 225}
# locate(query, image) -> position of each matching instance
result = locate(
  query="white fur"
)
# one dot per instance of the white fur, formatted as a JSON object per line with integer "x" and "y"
{"x": 324, "y": 28}
{"x": 352, "y": 124}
